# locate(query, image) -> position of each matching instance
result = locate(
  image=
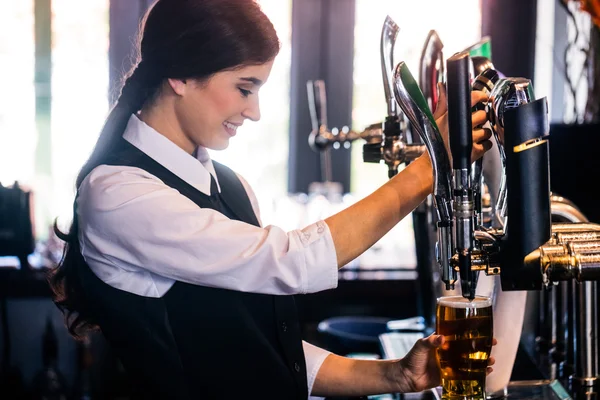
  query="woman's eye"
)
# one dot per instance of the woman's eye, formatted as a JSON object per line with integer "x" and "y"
{"x": 245, "y": 92}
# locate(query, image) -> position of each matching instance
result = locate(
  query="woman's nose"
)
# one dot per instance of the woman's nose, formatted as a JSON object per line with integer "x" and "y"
{"x": 253, "y": 111}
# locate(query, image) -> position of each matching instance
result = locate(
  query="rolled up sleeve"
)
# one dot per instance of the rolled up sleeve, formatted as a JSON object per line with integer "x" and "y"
{"x": 314, "y": 357}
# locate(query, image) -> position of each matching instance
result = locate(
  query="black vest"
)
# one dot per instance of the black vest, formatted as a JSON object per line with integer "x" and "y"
{"x": 199, "y": 342}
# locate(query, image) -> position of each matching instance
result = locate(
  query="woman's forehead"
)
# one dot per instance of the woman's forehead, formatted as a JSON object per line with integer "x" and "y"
{"x": 255, "y": 72}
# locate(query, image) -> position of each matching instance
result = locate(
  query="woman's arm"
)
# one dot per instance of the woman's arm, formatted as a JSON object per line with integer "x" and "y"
{"x": 358, "y": 227}
{"x": 341, "y": 376}
{"x": 418, "y": 371}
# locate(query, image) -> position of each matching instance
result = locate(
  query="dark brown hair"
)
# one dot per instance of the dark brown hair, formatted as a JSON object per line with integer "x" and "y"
{"x": 179, "y": 39}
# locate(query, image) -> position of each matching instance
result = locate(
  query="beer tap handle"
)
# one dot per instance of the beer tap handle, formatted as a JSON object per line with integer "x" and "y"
{"x": 459, "y": 111}
{"x": 461, "y": 144}
{"x": 317, "y": 104}
{"x": 389, "y": 33}
{"x": 319, "y": 137}
{"x": 431, "y": 68}
{"x": 413, "y": 104}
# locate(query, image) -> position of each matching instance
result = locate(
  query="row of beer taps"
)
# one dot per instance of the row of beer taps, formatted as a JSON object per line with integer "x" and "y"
{"x": 466, "y": 240}
{"x": 529, "y": 253}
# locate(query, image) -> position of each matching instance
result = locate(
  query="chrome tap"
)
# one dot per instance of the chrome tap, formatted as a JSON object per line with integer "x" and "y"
{"x": 385, "y": 141}
{"x": 507, "y": 93}
{"x": 394, "y": 147}
{"x": 431, "y": 68}
{"x": 485, "y": 79}
{"x": 389, "y": 32}
{"x": 461, "y": 143}
{"x": 413, "y": 103}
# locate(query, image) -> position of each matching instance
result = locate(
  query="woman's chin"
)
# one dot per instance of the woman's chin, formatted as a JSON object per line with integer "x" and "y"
{"x": 221, "y": 144}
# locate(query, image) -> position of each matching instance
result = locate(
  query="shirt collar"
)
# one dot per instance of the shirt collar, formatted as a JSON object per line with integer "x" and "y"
{"x": 195, "y": 170}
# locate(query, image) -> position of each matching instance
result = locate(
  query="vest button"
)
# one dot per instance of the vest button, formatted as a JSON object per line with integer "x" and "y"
{"x": 297, "y": 367}
{"x": 284, "y": 327}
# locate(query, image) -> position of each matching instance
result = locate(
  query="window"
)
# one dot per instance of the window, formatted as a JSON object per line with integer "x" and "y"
{"x": 47, "y": 157}
{"x": 79, "y": 93}
{"x": 415, "y": 19}
{"x": 259, "y": 152}
{"x": 17, "y": 95}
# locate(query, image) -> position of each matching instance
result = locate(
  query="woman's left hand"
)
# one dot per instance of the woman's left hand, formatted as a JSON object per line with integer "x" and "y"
{"x": 481, "y": 136}
{"x": 419, "y": 370}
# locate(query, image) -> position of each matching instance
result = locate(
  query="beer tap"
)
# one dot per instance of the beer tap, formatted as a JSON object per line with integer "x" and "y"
{"x": 507, "y": 93}
{"x": 486, "y": 79}
{"x": 321, "y": 139}
{"x": 461, "y": 143}
{"x": 384, "y": 141}
{"x": 431, "y": 70}
{"x": 393, "y": 149}
{"x": 413, "y": 103}
{"x": 319, "y": 136}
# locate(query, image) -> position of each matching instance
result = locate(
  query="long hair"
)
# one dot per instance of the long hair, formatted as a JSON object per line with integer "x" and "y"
{"x": 179, "y": 39}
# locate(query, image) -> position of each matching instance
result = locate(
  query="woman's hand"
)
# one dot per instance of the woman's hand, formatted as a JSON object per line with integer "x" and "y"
{"x": 419, "y": 370}
{"x": 481, "y": 136}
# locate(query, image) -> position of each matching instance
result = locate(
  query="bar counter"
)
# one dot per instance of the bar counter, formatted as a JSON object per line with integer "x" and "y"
{"x": 519, "y": 390}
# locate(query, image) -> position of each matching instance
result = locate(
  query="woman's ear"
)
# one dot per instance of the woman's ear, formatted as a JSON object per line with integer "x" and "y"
{"x": 179, "y": 86}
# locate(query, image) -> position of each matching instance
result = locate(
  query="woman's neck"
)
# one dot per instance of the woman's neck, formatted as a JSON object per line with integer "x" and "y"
{"x": 162, "y": 119}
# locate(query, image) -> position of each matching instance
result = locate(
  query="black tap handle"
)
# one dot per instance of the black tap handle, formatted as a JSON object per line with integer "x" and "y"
{"x": 459, "y": 110}
{"x": 317, "y": 103}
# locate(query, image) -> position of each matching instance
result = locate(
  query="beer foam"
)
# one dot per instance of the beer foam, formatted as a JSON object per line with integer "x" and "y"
{"x": 461, "y": 302}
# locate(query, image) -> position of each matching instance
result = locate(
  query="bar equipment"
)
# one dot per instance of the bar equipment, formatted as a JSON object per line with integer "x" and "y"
{"x": 528, "y": 251}
{"x": 385, "y": 141}
{"x": 431, "y": 72}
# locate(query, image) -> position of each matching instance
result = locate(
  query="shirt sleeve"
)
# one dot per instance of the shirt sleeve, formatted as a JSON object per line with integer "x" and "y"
{"x": 314, "y": 356}
{"x": 134, "y": 221}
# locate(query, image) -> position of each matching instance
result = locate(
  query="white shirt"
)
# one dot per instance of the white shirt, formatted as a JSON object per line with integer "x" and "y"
{"x": 139, "y": 235}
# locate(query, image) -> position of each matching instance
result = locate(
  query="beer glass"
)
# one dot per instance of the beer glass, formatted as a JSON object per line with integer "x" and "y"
{"x": 467, "y": 327}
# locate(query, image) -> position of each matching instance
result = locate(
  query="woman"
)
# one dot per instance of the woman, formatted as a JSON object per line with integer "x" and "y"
{"x": 166, "y": 254}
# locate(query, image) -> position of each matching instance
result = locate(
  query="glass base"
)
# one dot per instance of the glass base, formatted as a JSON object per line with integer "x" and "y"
{"x": 463, "y": 389}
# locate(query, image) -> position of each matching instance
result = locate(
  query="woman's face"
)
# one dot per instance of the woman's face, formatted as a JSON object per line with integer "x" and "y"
{"x": 209, "y": 112}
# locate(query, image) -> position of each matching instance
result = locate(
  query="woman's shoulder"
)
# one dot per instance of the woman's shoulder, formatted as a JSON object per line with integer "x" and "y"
{"x": 113, "y": 184}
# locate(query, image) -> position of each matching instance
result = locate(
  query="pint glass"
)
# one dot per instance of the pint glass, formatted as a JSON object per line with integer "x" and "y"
{"x": 467, "y": 327}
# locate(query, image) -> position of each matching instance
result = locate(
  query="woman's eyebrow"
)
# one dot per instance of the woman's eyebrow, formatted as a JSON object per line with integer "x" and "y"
{"x": 253, "y": 80}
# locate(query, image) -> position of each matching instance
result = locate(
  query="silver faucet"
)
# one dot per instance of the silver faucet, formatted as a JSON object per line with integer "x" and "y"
{"x": 413, "y": 103}
{"x": 386, "y": 141}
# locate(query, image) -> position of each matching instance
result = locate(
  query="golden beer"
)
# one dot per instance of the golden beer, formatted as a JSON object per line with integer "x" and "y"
{"x": 467, "y": 327}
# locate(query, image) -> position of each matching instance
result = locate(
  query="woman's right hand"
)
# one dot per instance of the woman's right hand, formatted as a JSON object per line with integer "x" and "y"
{"x": 481, "y": 136}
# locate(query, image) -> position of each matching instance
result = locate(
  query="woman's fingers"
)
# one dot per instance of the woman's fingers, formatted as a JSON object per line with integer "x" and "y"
{"x": 478, "y": 118}
{"x": 442, "y": 105}
{"x": 482, "y": 134}
{"x": 491, "y": 360}
{"x": 430, "y": 342}
{"x": 479, "y": 149}
{"x": 477, "y": 96}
